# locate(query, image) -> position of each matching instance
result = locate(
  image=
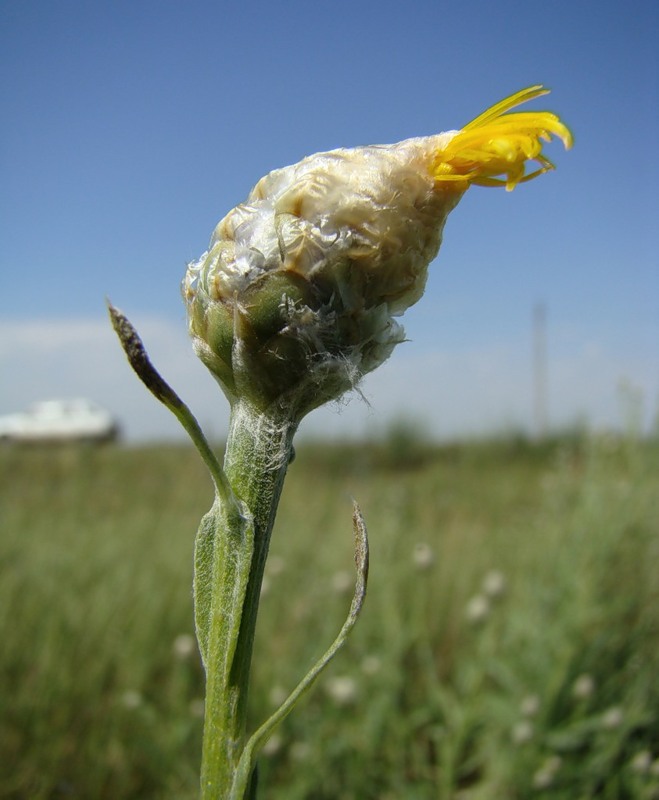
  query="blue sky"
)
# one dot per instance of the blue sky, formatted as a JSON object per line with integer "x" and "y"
{"x": 130, "y": 128}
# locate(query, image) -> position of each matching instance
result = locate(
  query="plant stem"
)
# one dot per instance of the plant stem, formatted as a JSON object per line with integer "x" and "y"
{"x": 257, "y": 455}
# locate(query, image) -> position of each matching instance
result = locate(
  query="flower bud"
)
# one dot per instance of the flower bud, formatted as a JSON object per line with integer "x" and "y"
{"x": 295, "y": 299}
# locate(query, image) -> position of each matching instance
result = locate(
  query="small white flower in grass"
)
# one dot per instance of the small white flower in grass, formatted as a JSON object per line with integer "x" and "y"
{"x": 423, "y": 556}
{"x": 530, "y": 705}
{"x": 277, "y": 695}
{"x": 478, "y": 609}
{"x": 132, "y": 699}
{"x": 197, "y": 707}
{"x": 612, "y": 718}
{"x": 342, "y": 689}
{"x": 544, "y": 777}
{"x": 642, "y": 762}
{"x": 522, "y": 732}
{"x": 272, "y": 746}
{"x": 371, "y": 665}
{"x": 494, "y": 583}
{"x": 184, "y": 646}
{"x": 275, "y": 565}
{"x": 300, "y": 751}
{"x": 343, "y": 582}
{"x": 583, "y": 687}
{"x": 553, "y": 763}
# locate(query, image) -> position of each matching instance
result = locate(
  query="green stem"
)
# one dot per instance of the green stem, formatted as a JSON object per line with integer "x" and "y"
{"x": 258, "y": 452}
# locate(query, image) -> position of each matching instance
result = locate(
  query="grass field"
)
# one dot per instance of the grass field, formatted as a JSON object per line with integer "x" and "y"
{"x": 508, "y": 648}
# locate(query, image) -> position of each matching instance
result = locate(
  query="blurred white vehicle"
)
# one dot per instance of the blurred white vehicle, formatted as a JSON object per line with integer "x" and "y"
{"x": 59, "y": 420}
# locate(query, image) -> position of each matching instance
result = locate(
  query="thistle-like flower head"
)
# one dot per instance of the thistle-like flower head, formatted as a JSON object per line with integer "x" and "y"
{"x": 295, "y": 299}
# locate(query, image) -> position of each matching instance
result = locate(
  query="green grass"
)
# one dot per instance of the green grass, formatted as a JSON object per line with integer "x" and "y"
{"x": 549, "y": 690}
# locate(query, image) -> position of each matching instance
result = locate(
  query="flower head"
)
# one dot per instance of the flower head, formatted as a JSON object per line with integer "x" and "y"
{"x": 423, "y": 556}
{"x": 343, "y": 690}
{"x": 295, "y": 299}
{"x": 184, "y": 645}
{"x": 583, "y": 687}
{"x": 478, "y": 609}
{"x": 494, "y": 584}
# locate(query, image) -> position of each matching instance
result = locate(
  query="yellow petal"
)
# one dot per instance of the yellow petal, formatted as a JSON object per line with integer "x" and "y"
{"x": 495, "y": 148}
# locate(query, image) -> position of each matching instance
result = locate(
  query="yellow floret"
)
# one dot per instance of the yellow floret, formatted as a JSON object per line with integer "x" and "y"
{"x": 497, "y": 144}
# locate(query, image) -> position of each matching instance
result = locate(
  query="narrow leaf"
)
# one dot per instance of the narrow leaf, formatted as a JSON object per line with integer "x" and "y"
{"x": 159, "y": 388}
{"x": 261, "y": 736}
